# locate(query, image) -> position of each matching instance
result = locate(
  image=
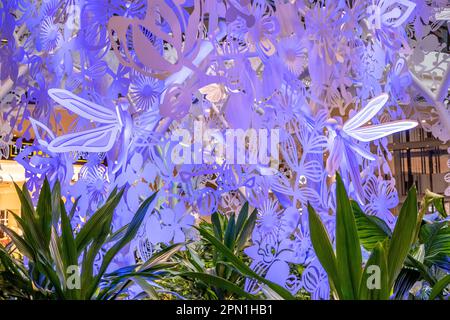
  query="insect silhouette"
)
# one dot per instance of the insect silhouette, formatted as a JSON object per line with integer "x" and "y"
{"x": 112, "y": 125}
{"x": 118, "y": 124}
{"x": 343, "y": 148}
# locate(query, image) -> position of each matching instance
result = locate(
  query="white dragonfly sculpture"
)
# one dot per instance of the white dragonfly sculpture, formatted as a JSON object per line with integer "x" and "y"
{"x": 342, "y": 147}
{"x": 111, "y": 126}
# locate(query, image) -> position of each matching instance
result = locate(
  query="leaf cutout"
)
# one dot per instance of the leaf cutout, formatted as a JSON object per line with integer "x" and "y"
{"x": 312, "y": 170}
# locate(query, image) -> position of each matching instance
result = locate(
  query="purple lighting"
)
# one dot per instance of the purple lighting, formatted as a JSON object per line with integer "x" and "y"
{"x": 112, "y": 82}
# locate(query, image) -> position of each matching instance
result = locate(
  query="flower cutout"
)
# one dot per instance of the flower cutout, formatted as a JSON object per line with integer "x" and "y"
{"x": 97, "y": 183}
{"x": 315, "y": 281}
{"x": 268, "y": 220}
{"x": 302, "y": 249}
{"x": 381, "y": 196}
{"x": 50, "y": 35}
{"x": 292, "y": 54}
{"x": 271, "y": 259}
{"x": 145, "y": 91}
{"x": 322, "y": 23}
{"x": 169, "y": 225}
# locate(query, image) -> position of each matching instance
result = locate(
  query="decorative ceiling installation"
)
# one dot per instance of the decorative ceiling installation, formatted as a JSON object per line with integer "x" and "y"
{"x": 335, "y": 78}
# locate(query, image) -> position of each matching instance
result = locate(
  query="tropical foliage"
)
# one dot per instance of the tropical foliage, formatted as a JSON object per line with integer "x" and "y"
{"x": 52, "y": 259}
{"x": 106, "y": 87}
{"x": 414, "y": 245}
{"x": 60, "y": 264}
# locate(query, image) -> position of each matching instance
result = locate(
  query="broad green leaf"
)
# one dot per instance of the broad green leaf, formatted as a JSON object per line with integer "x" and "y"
{"x": 217, "y": 226}
{"x": 241, "y": 218}
{"x": 57, "y": 259}
{"x": 230, "y": 233}
{"x": 402, "y": 235}
{"x": 53, "y": 278}
{"x": 242, "y": 267}
{"x": 44, "y": 211}
{"x": 93, "y": 226}
{"x": 129, "y": 235}
{"x": 147, "y": 287}
{"x": 193, "y": 261}
{"x": 436, "y": 238}
{"x": 323, "y": 247}
{"x": 348, "y": 249}
{"x": 31, "y": 232}
{"x": 87, "y": 276}
{"x": 68, "y": 241}
{"x": 26, "y": 232}
{"x": 246, "y": 232}
{"x": 55, "y": 200}
{"x": 371, "y": 230}
{"x": 161, "y": 256}
{"x": 68, "y": 245}
{"x": 74, "y": 208}
{"x": 115, "y": 236}
{"x": 437, "y": 200}
{"x": 214, "y": 281}
{"x": 374, "y": 281}
{"x": 27, "y": 196}
{"x": 19, "y": 242}
{"x": 439, "y": 287}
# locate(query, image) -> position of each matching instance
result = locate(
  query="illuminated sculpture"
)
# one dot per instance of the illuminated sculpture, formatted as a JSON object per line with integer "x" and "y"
{"x": 132, "y": 72}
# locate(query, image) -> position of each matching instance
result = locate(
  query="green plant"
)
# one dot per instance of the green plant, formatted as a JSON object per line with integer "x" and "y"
{"x": 217, "y": 264}
{"x": 54, "y": 251}
{"x": 204, "y": 264}
{"x": 439, "y": 287}
{"x": 270, "y": 289}
{"x": 347, "y": 276}
{"x": 13, "y": 283}
{"x": 428, "y": 259}
{"x": 147, "y": 275}
{"x": 234, "y": 233}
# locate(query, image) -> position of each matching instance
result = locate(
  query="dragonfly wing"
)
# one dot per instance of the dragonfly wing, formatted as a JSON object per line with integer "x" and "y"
{"x": 366, "y": 113}
{"x": 358, "y": 149}
{"x": 100, "y": 139}
{"x": 39, "y": 129}
{"x": 84, "y": 108}
{"x": 374, "y": 132}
